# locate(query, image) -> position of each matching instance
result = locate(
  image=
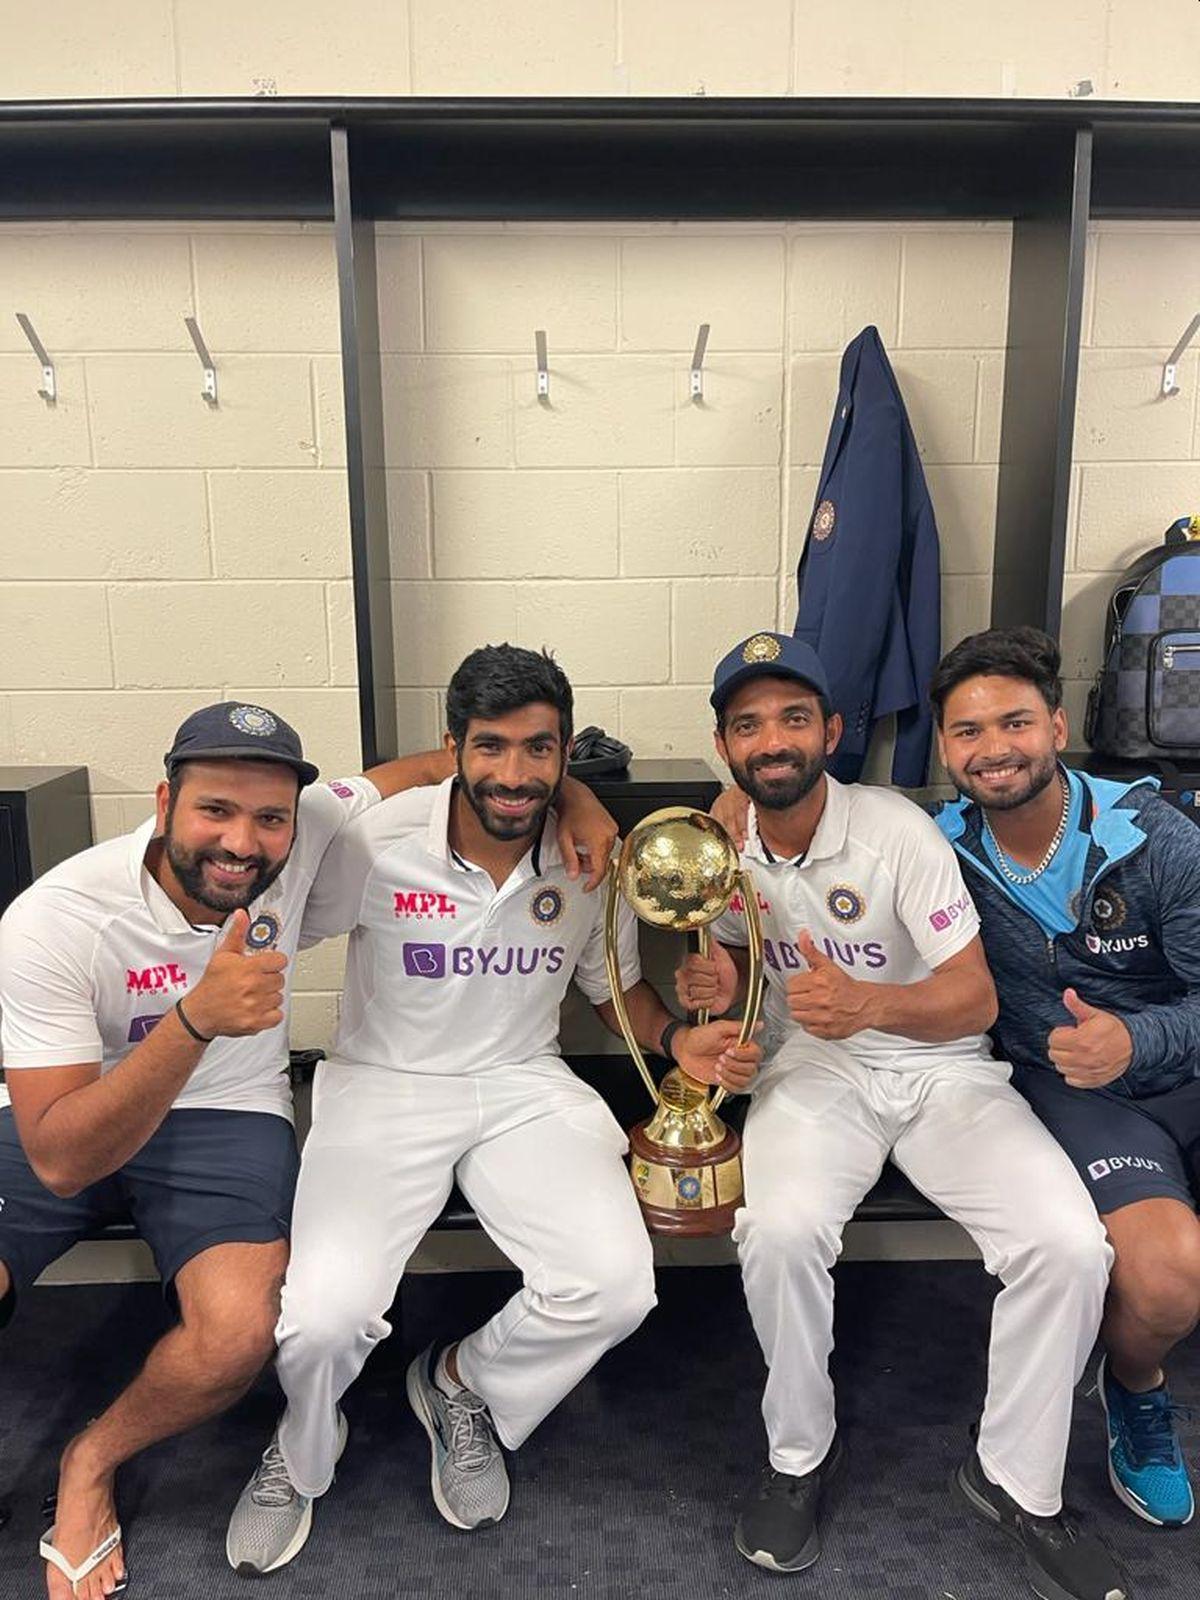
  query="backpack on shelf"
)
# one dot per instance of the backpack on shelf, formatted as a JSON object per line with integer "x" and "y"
{"x": 1146, "y": 698}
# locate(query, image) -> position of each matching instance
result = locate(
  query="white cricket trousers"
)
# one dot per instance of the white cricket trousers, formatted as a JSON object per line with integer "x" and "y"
{"x": 816, "y": 1137}
{"x": 538, "y": 1155}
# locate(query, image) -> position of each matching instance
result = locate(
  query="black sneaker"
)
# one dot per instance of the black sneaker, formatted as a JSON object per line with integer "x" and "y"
{"x": 778, "y": 1527}
{"x": 1063, "y": 1563}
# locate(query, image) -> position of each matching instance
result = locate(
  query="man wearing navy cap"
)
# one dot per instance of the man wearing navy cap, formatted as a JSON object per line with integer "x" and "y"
{"x": 144, "y": 987}
{"x": 878, "y": 997}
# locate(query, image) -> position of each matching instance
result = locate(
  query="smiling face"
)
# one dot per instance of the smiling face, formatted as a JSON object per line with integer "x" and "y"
{"x": 1000, "y": 741}
{"x": 775, "y": 739}
{"x": 227, "y": 829}
{"x": 510, "y": 769}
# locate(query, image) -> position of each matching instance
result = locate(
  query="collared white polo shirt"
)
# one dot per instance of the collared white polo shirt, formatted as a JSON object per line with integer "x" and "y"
{"x": 94, "y": 954}
{"x": 881, "y": 893}
{"x": 445, "y": 973}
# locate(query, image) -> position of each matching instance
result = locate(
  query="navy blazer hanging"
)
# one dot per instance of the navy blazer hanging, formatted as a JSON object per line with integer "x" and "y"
{"x": 869, "y": 577}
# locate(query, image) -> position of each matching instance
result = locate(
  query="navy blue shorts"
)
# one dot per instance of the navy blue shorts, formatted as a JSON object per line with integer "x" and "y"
{"x": 1124, "y": 1150}
{"x": 203, "y": 1178}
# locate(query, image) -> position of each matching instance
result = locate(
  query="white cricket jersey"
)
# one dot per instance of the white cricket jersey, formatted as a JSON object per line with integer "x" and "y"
{"x": 881, "y": 893}
{"x": 94, "y": 955}
{"x": 445, "y": 973}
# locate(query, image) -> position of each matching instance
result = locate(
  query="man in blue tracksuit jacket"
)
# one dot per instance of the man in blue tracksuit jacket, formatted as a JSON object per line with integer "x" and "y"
{"x": 870, "y": 589}
{"x": 1089, "y": 896}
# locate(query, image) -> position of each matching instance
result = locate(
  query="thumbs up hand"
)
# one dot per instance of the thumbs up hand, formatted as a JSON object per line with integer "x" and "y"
{"x": 826, "y": 1001}
{"x": 241, "y": 991}
{"x": 1093, "y": 1048}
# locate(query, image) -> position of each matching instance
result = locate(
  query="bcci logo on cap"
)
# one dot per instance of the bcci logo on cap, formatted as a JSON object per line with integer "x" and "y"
{"x": 263, "y": 932}
{"x": 254, "y": 720}
{"x": 761, "y": 648}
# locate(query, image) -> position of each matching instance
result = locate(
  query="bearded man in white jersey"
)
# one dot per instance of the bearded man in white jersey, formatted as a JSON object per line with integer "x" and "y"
{"x": 465, "y": 932}
{"x": 144, "y": 986}
{"x": 877, "y": 999}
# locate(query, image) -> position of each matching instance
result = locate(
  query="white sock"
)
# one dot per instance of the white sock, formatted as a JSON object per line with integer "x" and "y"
{"x": 441, "y": 1376}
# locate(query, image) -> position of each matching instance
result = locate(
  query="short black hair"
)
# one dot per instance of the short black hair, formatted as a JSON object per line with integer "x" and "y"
{"x": 499, "y": 678}
{"x": 1027, "y": 654}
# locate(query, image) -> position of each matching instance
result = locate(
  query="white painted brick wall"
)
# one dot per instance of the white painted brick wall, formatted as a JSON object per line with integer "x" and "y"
{"x": 1119, "y": 49}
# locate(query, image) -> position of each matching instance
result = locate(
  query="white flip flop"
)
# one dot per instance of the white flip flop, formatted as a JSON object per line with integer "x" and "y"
{"x": 76, "y": 1575}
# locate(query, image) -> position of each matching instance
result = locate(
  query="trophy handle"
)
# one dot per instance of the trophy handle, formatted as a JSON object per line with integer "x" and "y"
{"x": 754, "y": 980}
{"x": 616, "y": 986}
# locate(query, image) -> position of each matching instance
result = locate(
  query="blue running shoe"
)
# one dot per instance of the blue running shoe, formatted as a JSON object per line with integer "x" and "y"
{"x": 1145, "y": 1464}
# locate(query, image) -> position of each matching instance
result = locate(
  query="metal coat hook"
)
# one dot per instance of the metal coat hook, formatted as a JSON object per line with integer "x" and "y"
{"x": 697, "y": 383}
{"x": 209, "y": 391}
{"x": 49, "y": 389}
{"x": 543, "y": 365}
{"x": 1169, "y": 386}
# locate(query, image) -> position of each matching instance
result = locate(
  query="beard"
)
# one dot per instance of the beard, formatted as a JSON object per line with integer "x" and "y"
{"x": 188, "y": 867}
{"x": 1033, "y": 775}
{"x": 779, "y": 794}
{"x": 495, "y": 823}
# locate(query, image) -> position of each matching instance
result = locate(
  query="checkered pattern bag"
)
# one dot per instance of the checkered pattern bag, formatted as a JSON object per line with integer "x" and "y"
{"x": 1146, "y": 699}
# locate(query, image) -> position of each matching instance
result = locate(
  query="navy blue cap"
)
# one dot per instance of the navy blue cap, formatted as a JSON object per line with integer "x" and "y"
{"x": 234, "y": 731}
{"x": 767, "y": 655}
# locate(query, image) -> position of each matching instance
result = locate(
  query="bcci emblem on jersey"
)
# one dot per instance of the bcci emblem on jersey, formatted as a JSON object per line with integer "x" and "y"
{"x": 1108, "y": 911}
{"x": 263, "y": 933}
{"x": 845, "y": 903}
{"x": 546, "y": 907}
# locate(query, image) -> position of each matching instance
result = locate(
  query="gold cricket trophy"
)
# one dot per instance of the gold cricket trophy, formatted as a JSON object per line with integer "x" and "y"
{"x": 678, "y": 869}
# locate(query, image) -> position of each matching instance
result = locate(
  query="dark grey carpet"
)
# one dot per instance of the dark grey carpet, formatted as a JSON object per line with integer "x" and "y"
{"x": 628, "y": 1490}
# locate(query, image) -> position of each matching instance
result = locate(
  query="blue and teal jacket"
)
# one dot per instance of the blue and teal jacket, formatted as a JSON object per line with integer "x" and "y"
{"x": 1135, "y": 949}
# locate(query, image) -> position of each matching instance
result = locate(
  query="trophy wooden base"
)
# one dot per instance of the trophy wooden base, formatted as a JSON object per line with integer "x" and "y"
{"x": 692, "y": 1192}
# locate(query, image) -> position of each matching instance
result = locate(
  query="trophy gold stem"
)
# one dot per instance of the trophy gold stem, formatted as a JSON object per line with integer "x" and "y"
{"x": 615, "y": 982}
{"x": 755, "y": 977}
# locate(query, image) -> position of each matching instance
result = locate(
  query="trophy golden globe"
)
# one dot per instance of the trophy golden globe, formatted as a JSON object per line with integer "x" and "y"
{"x": 679, "y": 870}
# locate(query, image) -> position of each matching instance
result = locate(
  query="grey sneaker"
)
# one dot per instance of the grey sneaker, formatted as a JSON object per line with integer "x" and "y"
{"x": 272, "y": 1519}
{"x": 467, "y": 1475}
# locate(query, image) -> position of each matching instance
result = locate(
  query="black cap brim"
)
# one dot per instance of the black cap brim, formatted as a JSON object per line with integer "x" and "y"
{"x": 304, "y": 770}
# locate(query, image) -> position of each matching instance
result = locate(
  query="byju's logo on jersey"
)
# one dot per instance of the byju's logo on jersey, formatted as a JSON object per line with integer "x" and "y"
{"x": 945, "y": 916}
{"x": 546, "y": 907}
{"x": 425, "y": 960}
{"x": 1114, "y": 1164}
{"x": 845, "y": 903}
{"x": 141, "y": 1027}
{"x": 155, "y": 980}
{"x": 483, "y": 961}
{"x": 423, "y": 905}
{"x": 1120, "y": 946}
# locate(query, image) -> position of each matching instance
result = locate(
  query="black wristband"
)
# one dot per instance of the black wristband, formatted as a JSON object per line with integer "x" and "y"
{"x": 668, "y": 1033}
{"x": 200, "y": 1038}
